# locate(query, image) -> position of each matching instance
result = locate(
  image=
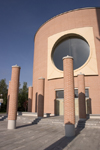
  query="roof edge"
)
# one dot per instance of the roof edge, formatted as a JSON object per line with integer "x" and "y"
{"x": 64, "y": 13}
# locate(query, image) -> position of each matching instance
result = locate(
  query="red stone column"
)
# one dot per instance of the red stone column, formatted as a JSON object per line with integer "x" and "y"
{"x": 69, "y": 103}
{"x": 12, "y": 115}
{"x": 40, "y": 106}
{"x": 81, "y": 96}
{"x": 30, "y": 93}
{"x": 8, "y": 96}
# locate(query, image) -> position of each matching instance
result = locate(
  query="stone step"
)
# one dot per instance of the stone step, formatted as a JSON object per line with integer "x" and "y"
{"x": 25, "y": 119}
{"x": 49, "y": 121}
{"x": 26, "y": 114}
{"x": 57, "y": 120}
{"x": 93, "y": 123}
{"x": 33, "y": 114}
{"x": 3, "y": 117}
{"x": 94, "y": 116}
{"x": 81, "y": 124}
{"x": 35, "y": 120}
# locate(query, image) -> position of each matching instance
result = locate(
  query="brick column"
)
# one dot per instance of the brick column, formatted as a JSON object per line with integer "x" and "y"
{"x": 81, "y": 96}
{"x": 12, "y": 115}
{"x": 30, "y": 93}
{"x": 8, "y": 96}
{"x": 40, "y": 106}
{"x": 69, "y": 103}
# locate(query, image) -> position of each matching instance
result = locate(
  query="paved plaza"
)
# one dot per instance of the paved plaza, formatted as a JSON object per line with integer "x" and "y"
{"x": 47, "y": 136}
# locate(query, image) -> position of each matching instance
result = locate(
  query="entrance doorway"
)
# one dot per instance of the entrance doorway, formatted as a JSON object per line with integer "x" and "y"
{"x": 59, "y": 109}
{"x": 59, "y": 103}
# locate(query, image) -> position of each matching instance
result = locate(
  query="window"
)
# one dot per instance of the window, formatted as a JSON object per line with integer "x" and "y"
{"x": 86, "y": 93}
{"x": 60, "y": 94}
{"x": 76, "y": 93}
{"x": 73, "y": 45}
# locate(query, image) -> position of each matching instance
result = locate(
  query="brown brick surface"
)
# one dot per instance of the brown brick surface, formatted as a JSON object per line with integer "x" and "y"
{"x": 69, "y": 20}
{"x": 30, "y": 94}
{"x": 69, "y": 103}
{"x": 12, "y": 115}
{"x": 81, "y": 96}
{"x": 8, "y": 96}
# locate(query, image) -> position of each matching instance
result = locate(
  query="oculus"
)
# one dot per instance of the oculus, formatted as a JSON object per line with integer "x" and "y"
{"x": 72, "y": 45}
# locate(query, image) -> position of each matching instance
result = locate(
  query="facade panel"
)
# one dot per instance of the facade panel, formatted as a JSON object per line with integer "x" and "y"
{"x": 84, "y": 22}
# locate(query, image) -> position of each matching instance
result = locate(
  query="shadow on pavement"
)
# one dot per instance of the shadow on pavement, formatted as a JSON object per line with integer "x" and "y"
{"x": 2, "y": 118}
{"x": 64, "y": 141}
{"x": 26, "y": 125}
{"x": 60, "y": 144}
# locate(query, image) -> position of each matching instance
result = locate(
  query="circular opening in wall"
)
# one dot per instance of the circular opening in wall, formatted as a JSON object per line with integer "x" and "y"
{"x": 72, "y": 45}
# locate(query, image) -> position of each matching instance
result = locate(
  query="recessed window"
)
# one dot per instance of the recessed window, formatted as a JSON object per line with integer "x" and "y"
{"x": 86, "y": 93}
{"x": 60, "y": 94}
{"x": 76, "y": 93}
{"x": 74, "y": 46}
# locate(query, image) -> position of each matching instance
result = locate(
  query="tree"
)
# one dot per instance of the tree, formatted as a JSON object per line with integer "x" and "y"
{"x": 22, "y": 97}
{"x": 3, "y": 91}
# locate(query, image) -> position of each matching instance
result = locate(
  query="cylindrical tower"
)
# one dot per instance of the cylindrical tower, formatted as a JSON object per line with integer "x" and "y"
{"x": 81, "y": 96}
{"x": 69, "y": 104}
{"x": 40, "y": 108}
{"x": 12, "y": 114}
{"x": 30, "y": 94}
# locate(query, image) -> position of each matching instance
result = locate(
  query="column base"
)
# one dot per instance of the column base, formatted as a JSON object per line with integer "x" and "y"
{"x": 69, "y": 130}
{"x": 82, "y": 119}
{"x": 40, "y": 117}
{"x": 11, "y": 124}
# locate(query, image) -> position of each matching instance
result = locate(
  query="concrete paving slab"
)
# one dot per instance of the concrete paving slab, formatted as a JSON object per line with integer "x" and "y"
{"x": 48, "y": 137}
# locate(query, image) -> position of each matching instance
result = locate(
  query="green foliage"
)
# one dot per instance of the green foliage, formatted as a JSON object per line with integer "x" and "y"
{"x": 22, "y": 97}
{"x": 3, "y": 91}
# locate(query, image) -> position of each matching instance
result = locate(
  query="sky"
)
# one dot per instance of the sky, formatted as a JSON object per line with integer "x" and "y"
{"x": 19, "y": 22}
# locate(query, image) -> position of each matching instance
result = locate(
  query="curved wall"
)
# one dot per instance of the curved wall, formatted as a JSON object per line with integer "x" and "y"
{"x": 73, "y": 20}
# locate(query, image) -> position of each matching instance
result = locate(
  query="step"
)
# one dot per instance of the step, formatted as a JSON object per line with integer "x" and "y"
{"x": 3, "y": 117}
{"x": 94, "y": 116}
{"x": 34, "y": 114}
{"x": 26, "y": 114}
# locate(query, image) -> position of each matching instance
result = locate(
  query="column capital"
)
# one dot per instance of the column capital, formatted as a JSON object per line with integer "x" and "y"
{"x": 80, "y": 74}
{"x": 41, "y": 78}
{"x": 67, "y": 57}
{"x": 16, "y": 66}
{"x": 30, "y": 86}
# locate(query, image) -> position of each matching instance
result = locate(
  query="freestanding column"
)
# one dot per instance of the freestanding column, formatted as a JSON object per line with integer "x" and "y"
{"x": 69, "y": 104}
{"x": 12, "y": 115}
{"x": 30, "y": 93}
{"x": 81, "y": 96}
{"x": 40, "y": 109}
{"x": 8, "y": 96}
